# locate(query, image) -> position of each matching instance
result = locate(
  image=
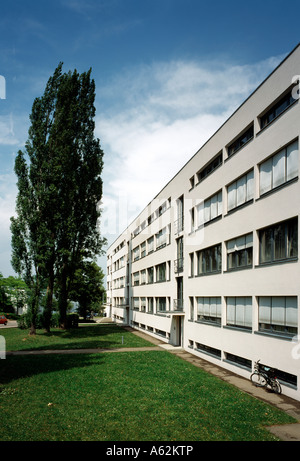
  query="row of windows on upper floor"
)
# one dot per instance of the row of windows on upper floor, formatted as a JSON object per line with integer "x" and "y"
{"x": 276, "y": 109}
{"x": 277, "y": 243}
{"x": 274, "y": 172}
{"x": 286, "y": 100}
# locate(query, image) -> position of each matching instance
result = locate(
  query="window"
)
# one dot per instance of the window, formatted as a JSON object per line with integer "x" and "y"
{"x": 136, "y": 304}
{"x": 278, "y": 314}
{"x": 286, "y": 101}
{"x": 240, "y": 191}
{"x": 239, "y": 312}
{"x": 209, "y": 309}
{"x": 209, "y": 260}
{"x": 239, "y": 361}
{"x": 143, "y": 304}
{"x": 245, "y": 137}
{"x": 143, "y": 249}
{"x": 209, "y": 350}
{"x": 136, "y": 253}
{"x": 143, "y": 277}
{"x": 150, "y": 272}
{"x": 279, "y": 242}
{"x": 212, "y": 209}
{"x": 161, "y": 272}
{"x": 278, "y": 169}
{"x": 161, "y": 304}
{"x": 239, "y": 252}
{"x": 150, "y": 305}
{"x": 161, "y": 238}
{"x": 208, "y": 169}
{"x": 136, "y": 278}
{"x": 150, "y": 242}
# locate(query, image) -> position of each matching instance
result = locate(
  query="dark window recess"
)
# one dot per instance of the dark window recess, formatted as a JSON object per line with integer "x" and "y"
{"x": 279, "y": 242}
{"x": 241, "y": 141}
{"x": 277, "y": 109}
{"x": 202, "y": 174}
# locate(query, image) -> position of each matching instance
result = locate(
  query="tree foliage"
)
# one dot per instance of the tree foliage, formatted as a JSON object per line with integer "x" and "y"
{"x": 58, "y": 191}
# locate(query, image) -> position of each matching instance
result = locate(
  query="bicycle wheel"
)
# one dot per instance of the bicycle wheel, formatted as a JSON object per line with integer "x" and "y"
{"x": 258, "y": 379}
{"x": 275, "y": 385}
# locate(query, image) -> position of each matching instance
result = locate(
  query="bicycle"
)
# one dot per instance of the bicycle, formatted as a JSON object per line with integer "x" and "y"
{"x": 264, "y": 377}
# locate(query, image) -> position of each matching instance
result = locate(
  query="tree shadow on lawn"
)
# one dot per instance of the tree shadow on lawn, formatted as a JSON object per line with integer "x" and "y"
{"x": 17, "y": 367}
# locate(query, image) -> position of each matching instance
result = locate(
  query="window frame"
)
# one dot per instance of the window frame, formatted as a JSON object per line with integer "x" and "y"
{"x": 268, "y": 249}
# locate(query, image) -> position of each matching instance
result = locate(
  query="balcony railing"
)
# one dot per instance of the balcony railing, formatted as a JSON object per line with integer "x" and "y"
{"x": 178, "y": 265}
{"x": 178, "y": 304}
{"x": 179, "y": 225}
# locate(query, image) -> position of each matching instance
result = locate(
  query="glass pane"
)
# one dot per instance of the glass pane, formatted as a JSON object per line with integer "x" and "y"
{"x": 291, "y": 311}
{"x": 292, "y": 238}
{"x": 231, "y": 196}
{"x": 207, "y": 211}
{"x": 279, "y": 168}
{"x": 214, "y": 207}
{"x": 248, "y": 312}
{"x": 278, "y": 310}
{"x": 265, "y": 309}
{"x": 265, "y": 177}
{"x": 230, "y": 315}
{"x": 250, "y": 185}
{"x": 292, "y": 161}
{"x": 240, "y": 311}
{"x": 279, "y": 242}
{"x": 231, "y": 261}
{"x": 266, "y": 237}
{"x": 241, "y": 191}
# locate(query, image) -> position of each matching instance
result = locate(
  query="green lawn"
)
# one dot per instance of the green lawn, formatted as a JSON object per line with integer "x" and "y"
{"x": 124, "y": 396}
{"x": 93, "y": 336}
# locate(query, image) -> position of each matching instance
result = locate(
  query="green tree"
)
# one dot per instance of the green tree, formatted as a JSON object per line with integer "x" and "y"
{"x": 57, "y": 203}
{"x": 87, "y": 287}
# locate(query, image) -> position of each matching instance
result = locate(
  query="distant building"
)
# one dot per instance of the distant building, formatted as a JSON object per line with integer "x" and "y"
{"x": 211, "y": 264}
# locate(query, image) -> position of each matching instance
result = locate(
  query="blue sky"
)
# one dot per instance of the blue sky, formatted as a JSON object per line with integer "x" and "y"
{"x": 167, "y": 74}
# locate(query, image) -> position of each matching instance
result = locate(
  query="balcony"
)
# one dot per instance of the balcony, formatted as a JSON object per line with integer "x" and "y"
{"x": 178, "y": 265}
{"x": 179, "y": 225}
{"x": 178, "y": 305}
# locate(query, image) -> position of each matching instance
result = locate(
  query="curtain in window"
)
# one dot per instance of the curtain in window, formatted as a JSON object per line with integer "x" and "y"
{"x": 265, "y": 177}
{"x": 292, "y": 161}
{"x": 265, "y": 310}
{"x": 291, "y": 312}
{"x": 278, "y": 169}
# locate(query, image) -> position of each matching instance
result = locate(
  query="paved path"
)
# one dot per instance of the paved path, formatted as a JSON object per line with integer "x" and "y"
{"x": 288, "y": 432}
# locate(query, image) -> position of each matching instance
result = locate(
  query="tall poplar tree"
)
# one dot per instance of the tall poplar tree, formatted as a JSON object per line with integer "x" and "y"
{"x": 57, "y": 203}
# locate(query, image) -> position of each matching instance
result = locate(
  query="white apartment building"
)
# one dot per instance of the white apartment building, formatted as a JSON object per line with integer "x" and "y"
{"x": 211, "y": 264}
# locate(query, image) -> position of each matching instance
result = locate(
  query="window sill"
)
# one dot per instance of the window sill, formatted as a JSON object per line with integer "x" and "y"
{"x": 237, "y": 328}
{"x": 275, "y": 263}
{"x": 276, "y": 189}
{"x": 272, "y": 334}
{"x": 208, "y": 273}
{"x": 239, "y": 207}
{"x": 237, "y": 269}
{"x": 207, "y": 322}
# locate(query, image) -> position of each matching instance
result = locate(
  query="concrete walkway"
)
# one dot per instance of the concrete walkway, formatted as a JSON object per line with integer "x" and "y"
{"x": 288, "y": 432}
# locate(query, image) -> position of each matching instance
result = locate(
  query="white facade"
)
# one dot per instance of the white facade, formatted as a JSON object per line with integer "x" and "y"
{"x": 211, "y": 264}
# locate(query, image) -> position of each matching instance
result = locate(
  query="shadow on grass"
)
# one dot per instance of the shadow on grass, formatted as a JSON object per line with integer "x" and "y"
{"x": 14, "y": 368}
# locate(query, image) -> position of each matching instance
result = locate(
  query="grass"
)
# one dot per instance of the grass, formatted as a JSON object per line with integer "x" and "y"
{"x": 94, "y": 336}
{"x": 126, "y": 396}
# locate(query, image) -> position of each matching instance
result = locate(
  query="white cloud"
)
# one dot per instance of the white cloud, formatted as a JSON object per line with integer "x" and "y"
{"x": 160, "y": 116}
